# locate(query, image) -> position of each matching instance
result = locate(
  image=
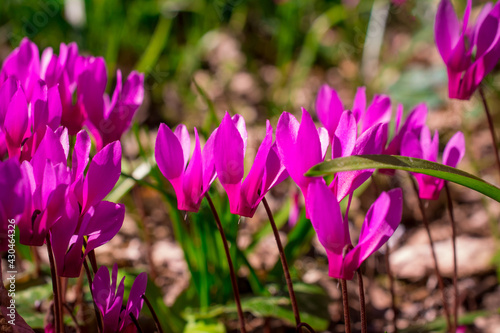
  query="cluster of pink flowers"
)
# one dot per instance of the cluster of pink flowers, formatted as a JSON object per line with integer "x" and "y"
{"x": 298, "y": 147}
{"x": 50, "y": 187}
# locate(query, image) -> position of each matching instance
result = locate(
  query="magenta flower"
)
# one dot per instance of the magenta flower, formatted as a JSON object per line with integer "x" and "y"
{"x": 87, "y": 219}
{"x": 108, "y": 299}
{"x": 108, "y": 118}
{"x": 172, "y": 151}
{"x": 229, "y": 153}
{"x": 13, "y": 198}
{"x": 427, "y": 148}
{"x": 381, "y": 221}
{"x": 469, "y": 52}
{"x": 329, "y": 108}
{"x": 301, "y": 146}
{"x": 347, "y": 143}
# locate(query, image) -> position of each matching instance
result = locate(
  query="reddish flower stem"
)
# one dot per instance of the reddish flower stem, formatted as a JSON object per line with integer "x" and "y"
{"x": 391, "y": 288}
{"x": 232, "y": 274}
{"x": 491, "y": 126}
{"x": 59, "y": 326}
{"x": 455, "y": 267}
{"x": 153, "y": 313}
{"x": 284, "y": 264}
{"x": 345, "y": 302}
{"x": 362, "y": 304}
{"x": 434, "y": 256}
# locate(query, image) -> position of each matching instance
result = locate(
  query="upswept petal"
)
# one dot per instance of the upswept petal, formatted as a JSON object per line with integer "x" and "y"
{"x": 326, "y": 218}
{"x": 329, "y": 108}
{"x": 135, "y": 300}
{"x": 102, "y": 175}
{"x": 381, "y": 221}
{"x": 81, "y": 153}
{"x": 454, "y": 150}
{"x": 446, "y": 29}
{"x": 193, "y": 180}
{"x": 379, "y": 112}
{"x": 169, "y": 154}
{"x": 345, "y": 135}
{"x": 7, "y": 90}
{"x": 105, "y": 222}
{"x": 229, "y": 152}
{"x": 182, "y": 135}
{"x": 16, "y": 122}
{"x": 208, "y": 162}
{"x": 359, "y": 105}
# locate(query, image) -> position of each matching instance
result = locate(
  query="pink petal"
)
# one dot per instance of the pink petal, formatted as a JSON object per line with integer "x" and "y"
{"x": 102, "y": 175}
{"x": 446, "y": 29}
{"x": 169, "y": 154}
{"x": 208, "y": 162}
{"x": 345, "y": 136}
{"x": 454, "y": 150}
{"x": 182, "y": 135}
{"x": 81, "y": 153}
{"x": 329, "y": 108}
{"x": 16, "y": 122}
{"x": 106, "y": 221}
{"x": 381, "y": 221}
{"x": 359, "y": 105}
{"x": 377, "y": 113}
{"x": 193, "y": 181}
{"x": 229, "y": 152}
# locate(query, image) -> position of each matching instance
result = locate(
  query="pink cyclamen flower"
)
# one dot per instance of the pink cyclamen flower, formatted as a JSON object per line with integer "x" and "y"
{"x": 427, "y": 148}
{"x": 469, "y": 52}
{"x": 301, "y": 146}
{"x": 12, "y": 199}
{"x": 347, "y": 143}
{"x": 332, "y": 229}
{"x": 329, "y": 108}
{"x": 229, "y": 153}
{"x": 109, "y": 298}
{"x": 172, "y": 151}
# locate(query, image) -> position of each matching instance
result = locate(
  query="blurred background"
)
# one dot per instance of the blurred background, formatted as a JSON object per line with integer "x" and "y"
{"x": 259, "y": 58}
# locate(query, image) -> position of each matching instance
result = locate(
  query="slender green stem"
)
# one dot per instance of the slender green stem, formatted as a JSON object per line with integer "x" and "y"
{"x": 434, "y": 256}
{"x": 153, "y": 313}
{"x": 362, "y": 304}
{"x": 455, "y": 266}
{"x": 345, "y": 302}
{"x": 55, "y": 288}
{"x": 293, "y": 299}
{"x": 97, "y": 312}
{"x": 232, "y": 274}
{"x": 491, "y": 126}
{"x": 391, "y": 288}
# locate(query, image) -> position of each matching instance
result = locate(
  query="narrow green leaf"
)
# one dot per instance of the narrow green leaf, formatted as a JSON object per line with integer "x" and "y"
{"x": 417, "y": 165}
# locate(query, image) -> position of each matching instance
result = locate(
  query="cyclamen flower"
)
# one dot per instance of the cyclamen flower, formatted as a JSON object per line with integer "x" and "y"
{"x": 329, "y": 108}
{"x": 70, "y": 74}
{"x": 108, "y": 299}
{"x": 172, "y": 151}
{"x": 229, "y": 153}
{"x": 469, "y": 52}
{"x": 381, "y": 221}
{"x": 347, "y": 143}
{"x": 301, "y": 146}
{"x": 427, "y": 148}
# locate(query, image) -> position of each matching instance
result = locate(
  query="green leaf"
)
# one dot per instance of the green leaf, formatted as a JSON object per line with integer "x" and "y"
{"x": 417, "y": 165}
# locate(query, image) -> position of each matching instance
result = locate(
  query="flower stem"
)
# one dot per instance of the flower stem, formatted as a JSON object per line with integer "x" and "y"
{"x": 136, "y": 323}
{"x": 97, "y": 313}
{"x": 455, "y": 267}
{"x": 307, "y": 326}
{"x": 391, "y": 288}
{"x": 345, "y": 301}
{"x": 284, "y": 263}
{"x": 434, "y": 256}
{"x": 491, "y": 126}
{"x": 362, "y": 304}
{"x": 153, "y": 313}
{"x": 55, "y": 288}
{"x": 232, "y": 274}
